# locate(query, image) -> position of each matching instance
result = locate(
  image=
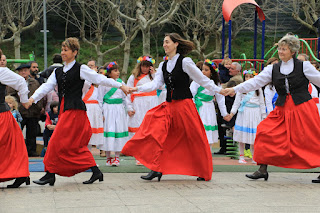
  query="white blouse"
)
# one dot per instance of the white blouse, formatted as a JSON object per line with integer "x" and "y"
{"x": 220, "y": 98}
{"x": 17, "y": 82}
{"x": 265, "y": 77}
{"x": 188, "y": 67}
{"x": 85, "y": 74}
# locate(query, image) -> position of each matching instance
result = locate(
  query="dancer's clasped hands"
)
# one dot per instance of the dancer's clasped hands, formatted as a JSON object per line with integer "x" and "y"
{"x": 227, "y": 92}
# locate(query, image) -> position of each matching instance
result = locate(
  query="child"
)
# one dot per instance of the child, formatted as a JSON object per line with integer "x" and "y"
{"x": 270, "y": 91}
{"x": 224, "y": 70}
{"x": 51, "y": 122}
{"x": 94, "y": 113}
{"x": 251, "y": 111}
{"x": 204, "y": 101}
{"x": 115, "y": 117}
{"x": 140, "y": 103}
{"x": 13, "y": 104}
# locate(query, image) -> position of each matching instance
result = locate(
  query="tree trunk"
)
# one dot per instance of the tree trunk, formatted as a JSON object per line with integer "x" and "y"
{"x": 126, "y": 56}
{"x": 146, "y": 41}
{"x": 17, "y": 45}
{"x": 100, "y": 58}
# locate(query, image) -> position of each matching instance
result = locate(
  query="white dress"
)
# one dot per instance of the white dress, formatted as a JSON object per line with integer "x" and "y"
{"x": 141, "y": 105}
{"x": 251, "y": 110}
{"x": 207, "y": 111}
{"x": 269, "y": 93}
{"x": 94, "y": 113}
{"x": 116, "y": 121}
{"x": 314, "y": 94}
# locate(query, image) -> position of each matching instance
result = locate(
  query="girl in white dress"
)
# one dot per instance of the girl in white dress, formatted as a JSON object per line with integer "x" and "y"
{"x": 251, "y": 111}
{"x": 94, "y": 113}
{"x": 140, "y": 102}
{"x": 203, "y": 99}
{"x": 115, "y": 117}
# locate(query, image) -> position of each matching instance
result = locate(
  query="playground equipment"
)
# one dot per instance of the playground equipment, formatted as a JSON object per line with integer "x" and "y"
{"x": 31, "y": 58}
{"x": 227, "y": 8}
{"x": 309, "y": 46}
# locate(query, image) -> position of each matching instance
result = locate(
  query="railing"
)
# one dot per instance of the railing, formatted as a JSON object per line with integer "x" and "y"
{"x": 31, "y": 58}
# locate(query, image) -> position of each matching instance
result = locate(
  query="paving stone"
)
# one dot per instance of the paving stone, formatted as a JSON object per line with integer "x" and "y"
{"x": 125, "y": 192}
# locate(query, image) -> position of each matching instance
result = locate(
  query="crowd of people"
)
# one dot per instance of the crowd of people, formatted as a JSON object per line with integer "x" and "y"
{"x": 166, "y": 117}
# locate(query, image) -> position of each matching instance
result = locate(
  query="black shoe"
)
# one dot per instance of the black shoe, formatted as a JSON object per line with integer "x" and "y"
{"x": 48, "y": 178}
{"x": 258, "y": 175}
{"x": 200, "y": 179}
{"x": 316, "y": 180}
{"x": 94, "y": 177}
{"x": 20, "y": 181}
{"x": 221, "y": 152}
{"x": 151, "y": 175}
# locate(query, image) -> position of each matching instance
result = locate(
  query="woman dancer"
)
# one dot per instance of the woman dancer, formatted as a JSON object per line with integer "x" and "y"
{"x": 172, "y": 138}
{"x": 67, "y": 153}
{"x": 14, "y": 163}
{"x": 289, "y": 136}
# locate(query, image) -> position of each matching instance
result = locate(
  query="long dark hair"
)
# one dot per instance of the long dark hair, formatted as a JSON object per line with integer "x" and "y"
{"x": 184, "y": 47}
{"x": 214, "y": 75}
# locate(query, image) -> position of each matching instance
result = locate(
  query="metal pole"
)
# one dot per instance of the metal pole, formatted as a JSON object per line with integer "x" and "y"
{"x": 230, "y": 29}
{"x": 222, "y": 37}
{"x": 255, "y": 35}
{"x": 262, "y": 42}
{"x": 45, "y": 55}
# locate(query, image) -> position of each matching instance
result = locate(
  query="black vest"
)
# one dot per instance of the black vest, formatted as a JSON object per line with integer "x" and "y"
{"x": 177, "y": 81}
{"x": 70, "y": 87}
{"x": 4, "y": 107}
{"x": 298, "y": 84}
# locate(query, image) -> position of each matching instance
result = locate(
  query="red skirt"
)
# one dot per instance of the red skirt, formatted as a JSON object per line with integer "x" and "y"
{"x": 172, "y": 140}
{"x": 14, "y": 161}
{"x": 290, "y": 136}
{"x": 67, "y": 152}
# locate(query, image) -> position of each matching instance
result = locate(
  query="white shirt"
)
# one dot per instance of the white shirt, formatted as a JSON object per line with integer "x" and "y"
{"x": 12, "y": 79}
{"x": 188, "y": 67}
{"x": 85, "y": 74}
{"x": 265, "y": 77}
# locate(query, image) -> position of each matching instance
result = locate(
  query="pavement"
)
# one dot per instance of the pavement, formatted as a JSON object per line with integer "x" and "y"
{"x": 126, "y": 192}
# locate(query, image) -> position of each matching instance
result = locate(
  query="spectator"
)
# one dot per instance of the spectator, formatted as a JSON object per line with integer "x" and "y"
{"x": 303, "y": 57}
{"x": 224, "y": 68}
{"x": 57, "y": 62}
{"x": 13, "y": 104}
{"x": 3, "y": 61}
{"x": 51, "y": 122}
{"x": 92, "y": 65}
{"x": 235, "y": 72}
{"x": 30, "y": 116}
{"x": 34, "y": 70}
